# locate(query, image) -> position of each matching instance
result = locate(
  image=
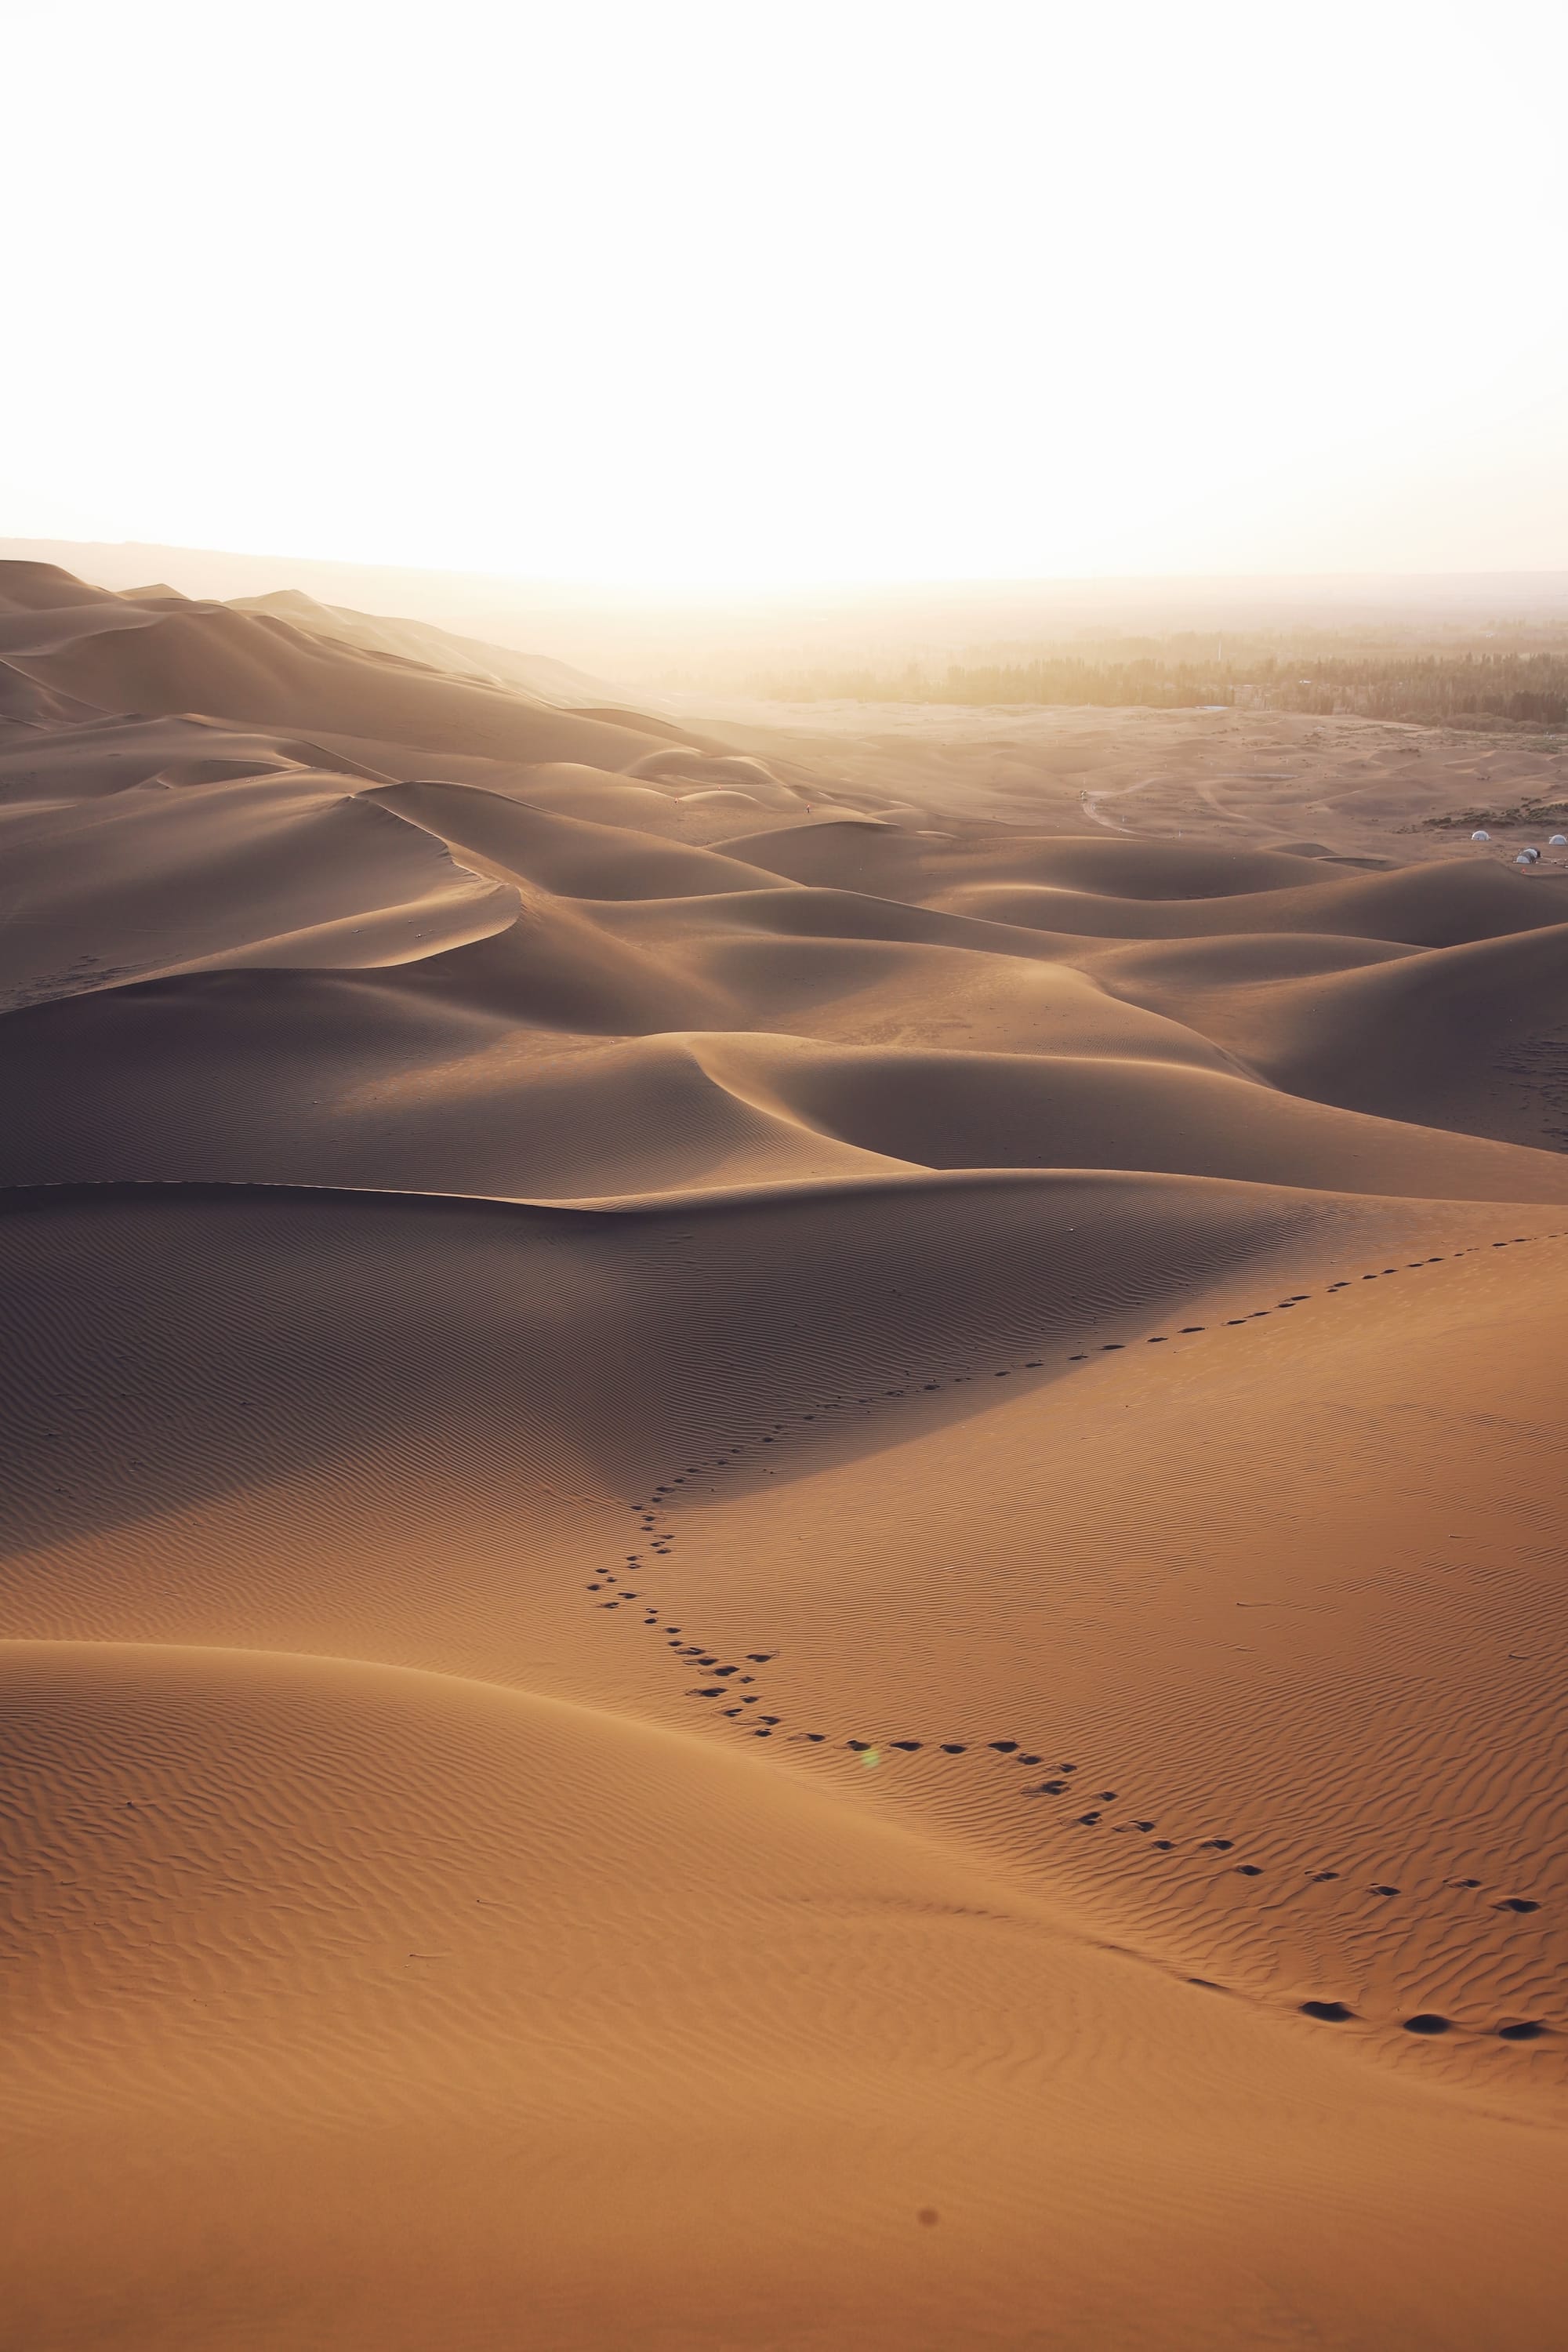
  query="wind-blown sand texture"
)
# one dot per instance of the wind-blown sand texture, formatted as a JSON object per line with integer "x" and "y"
{"x": 781, "y": 1567}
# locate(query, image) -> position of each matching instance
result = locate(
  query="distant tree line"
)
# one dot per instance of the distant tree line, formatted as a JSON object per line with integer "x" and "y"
{"x": 1484, "y": 686}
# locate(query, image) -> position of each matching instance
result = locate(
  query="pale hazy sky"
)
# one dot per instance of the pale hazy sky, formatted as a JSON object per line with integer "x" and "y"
{"x": 754, "y": 293}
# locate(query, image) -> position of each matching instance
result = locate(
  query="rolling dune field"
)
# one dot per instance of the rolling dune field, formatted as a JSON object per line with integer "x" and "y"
{"x": 783, "y": 1542}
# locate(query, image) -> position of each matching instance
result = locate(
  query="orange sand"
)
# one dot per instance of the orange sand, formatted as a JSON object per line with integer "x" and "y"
{"x": 781, "y": 1561}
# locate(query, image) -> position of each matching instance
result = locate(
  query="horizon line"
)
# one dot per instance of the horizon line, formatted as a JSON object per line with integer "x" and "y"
{"x": 795, "y": 584}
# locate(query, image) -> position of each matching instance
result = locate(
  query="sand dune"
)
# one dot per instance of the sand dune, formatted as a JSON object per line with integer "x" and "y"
{"x": 158, "y": 877}
{"x": 1481, "y": 1031}
{"x": 780, "y": 1564}
{"x": 571, "y": 856}
{"x": 1421, "y": 906}
{"x": 955, "y": 1109}
{"x": 432, "y": 648}
{"x": 253, "y": 666}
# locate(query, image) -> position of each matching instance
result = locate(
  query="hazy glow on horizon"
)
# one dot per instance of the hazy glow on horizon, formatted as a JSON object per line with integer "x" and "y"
{"x": 741, "y": 293}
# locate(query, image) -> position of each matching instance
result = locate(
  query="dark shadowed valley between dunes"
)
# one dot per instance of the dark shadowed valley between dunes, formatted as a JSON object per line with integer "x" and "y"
{"x": 784, "y": 1512}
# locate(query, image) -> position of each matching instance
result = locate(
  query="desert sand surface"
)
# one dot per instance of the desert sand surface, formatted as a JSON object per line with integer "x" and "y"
{"x": 783, "y": 1515}
{"x": 1246, "y": 779}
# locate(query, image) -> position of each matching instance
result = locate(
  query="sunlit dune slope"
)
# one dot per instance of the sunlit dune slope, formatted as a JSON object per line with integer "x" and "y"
{"x": 571, "y": 856}
{"x": 1246, "y": 1630}
{"x": 955, "y": 1109}
{"x": 182, "y": 1077}
{"x": 416, "y": 641}
{"x": 307, "y": 1946}
{"x": 251, "y": 667}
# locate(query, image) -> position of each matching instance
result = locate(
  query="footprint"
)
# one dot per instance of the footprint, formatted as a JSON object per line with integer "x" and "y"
{"x": 1328, "y": 2013}
{"x": 1516, "y": 1903}
{"x": 1426, "y": 2020}
{"x": 1527, "y": 2030}
{"x": 1250, "y": 1869}
{"x": 1321, "y": 1877}
{"x": 1384, "y": 1890}
{"x": 1217, "y": 1845}
{"x": 953, "y": 1747}
{"x": 908, "y": 1746}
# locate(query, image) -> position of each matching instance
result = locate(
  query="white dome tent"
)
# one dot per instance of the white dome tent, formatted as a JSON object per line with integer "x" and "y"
{"x": 1480, "y": 837}
{"x": 1558, "y": 841}
{"x": 1528, "y": 857}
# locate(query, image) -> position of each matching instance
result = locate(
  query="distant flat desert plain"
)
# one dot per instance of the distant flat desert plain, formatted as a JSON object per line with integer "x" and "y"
{"x": 783, "y": 1510}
